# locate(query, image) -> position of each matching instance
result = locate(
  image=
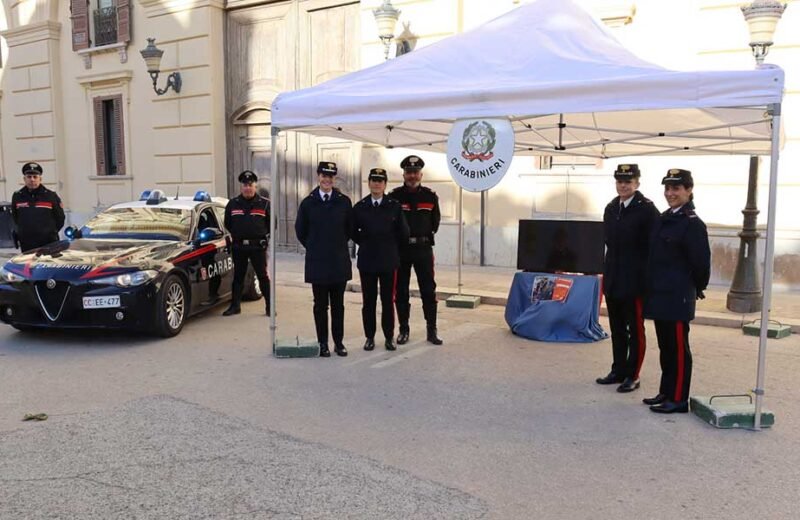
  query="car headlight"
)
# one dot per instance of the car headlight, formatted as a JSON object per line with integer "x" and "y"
{"x": 133, "y": 279}
{"x": 8, "y": 276}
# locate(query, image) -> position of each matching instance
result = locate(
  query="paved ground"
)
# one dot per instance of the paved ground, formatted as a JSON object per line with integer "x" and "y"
{"x": 488, "y": 426}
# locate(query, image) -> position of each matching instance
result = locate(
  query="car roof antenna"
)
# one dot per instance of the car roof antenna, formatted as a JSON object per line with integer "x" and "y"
{"x": 177, "y": 191}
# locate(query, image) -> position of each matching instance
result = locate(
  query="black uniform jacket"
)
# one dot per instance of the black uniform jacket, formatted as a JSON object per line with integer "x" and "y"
{"x": 38, "y": 214}
{"x": 679, "y": 265}
{"x": 248, "y": 219}
{"x": 379, "y": 232}
{"x": 421, "y": 209}
{"x": 324, "y": 229}
{"x": 627, "y": 237}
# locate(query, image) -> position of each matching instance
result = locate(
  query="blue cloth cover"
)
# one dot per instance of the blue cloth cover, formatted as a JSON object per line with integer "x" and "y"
{"x": 574, "y": 320}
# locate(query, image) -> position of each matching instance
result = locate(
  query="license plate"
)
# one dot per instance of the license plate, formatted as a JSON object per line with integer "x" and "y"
{"x": 100, "y": 302}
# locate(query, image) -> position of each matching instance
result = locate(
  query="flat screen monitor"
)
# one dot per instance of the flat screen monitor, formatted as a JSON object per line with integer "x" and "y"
{"x": 573, "y": 246}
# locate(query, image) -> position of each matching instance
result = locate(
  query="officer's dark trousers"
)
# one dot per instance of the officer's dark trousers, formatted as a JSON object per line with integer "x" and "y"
{"x": 325, "y": 294}
{"x": 676, "y": 359}
{"x": 27, "y": 245}
{"x": 256, "y": 256}
{"x": 369, "y": 294}
{"x": 628, "y": 341}
{"x": 421, "y": 258}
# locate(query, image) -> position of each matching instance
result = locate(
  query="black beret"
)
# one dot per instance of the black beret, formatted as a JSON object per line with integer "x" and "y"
{"x": 412, "y": 162}
{"x": 32, "y": 168}
{"x": 327, "y": 168}
{"x": 378, "y": 174}
{"x": 248, "y": 177}
{"x": 678, "y": 176}
{"x": 627, "y": 172}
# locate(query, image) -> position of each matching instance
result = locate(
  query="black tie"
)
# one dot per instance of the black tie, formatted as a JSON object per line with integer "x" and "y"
{"x": 375, "y": 203}
{"x": 325, "y": 197}
{"x": 621, "y": 207}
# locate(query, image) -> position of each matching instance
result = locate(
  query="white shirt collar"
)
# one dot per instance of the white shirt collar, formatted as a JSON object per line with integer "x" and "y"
{"x": 677, "y": 209}
{"x": 323, "y": 193}
{"x": 627, "y": 203}
{"x": 374, "y": 200}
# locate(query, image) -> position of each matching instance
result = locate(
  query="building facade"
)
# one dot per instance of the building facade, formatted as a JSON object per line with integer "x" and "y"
{"x": 76, "y": 97}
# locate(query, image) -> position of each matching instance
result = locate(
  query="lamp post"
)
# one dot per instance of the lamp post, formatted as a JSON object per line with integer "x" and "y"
{"x": 152, "y": 58}
{"x": 745, "y": 294}
{"x": 386, "y": 18}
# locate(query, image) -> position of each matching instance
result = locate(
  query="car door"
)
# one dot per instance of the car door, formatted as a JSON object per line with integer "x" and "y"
{"x": 214, "y": 266}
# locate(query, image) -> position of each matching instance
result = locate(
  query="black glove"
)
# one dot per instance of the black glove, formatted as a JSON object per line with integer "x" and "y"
{"x": 701, "y": 295}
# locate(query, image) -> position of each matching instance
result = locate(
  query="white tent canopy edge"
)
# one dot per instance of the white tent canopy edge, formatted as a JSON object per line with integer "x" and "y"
{"x": 582, "y": 91}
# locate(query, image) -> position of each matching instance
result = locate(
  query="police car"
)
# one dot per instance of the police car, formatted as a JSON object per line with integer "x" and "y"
{"x": 144, "y": 265}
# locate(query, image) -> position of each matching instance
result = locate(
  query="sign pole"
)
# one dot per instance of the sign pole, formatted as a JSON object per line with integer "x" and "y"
{"x": 460, "y": 236}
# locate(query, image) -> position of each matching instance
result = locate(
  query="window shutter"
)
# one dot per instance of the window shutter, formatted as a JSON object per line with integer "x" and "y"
{"x": 120, "y": 135}
{"x": 80, "y": 24}
{"x": 123, "y": 21}
{"x": 99, "y": 136}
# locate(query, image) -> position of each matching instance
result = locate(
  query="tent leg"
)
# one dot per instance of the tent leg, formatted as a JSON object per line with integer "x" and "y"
{"x": 768, "y": 262}
{"x": 273, "y": 220}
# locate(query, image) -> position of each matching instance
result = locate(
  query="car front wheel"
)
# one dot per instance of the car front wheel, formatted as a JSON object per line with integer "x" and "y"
{"x": 172, "y": 307}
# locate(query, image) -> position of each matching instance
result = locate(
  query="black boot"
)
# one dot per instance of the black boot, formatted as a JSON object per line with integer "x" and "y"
{"x": 389, "y": 344}
{"x": 236, "y": 299}
{"x": 267, "y": 305}
{"x": 340, "y": 349}
{"x": 402, "y": 338}
{"x": 433, "y": 337}
{"x": 323, "y": 350}
{"x": 369, "y": 344}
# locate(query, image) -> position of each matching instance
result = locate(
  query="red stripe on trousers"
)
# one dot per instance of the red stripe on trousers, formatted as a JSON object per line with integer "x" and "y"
{"x": 640, "y": 335}
{"x": 681, "y": 362}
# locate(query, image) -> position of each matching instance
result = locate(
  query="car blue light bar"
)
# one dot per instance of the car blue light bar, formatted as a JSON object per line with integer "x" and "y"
{"x": 156, "y": 197}
{"x": 145, "y": 195}
{"x": 202, "y": 196}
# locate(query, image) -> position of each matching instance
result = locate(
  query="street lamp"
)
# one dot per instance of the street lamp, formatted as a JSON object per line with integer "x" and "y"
{"x": 386, "y": 17}
{"x": 152, "y": 58}
{"x": 745, "y": 295}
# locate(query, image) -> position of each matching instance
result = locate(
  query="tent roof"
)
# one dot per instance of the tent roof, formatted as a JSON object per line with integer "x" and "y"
{"x": 567, "y": 84}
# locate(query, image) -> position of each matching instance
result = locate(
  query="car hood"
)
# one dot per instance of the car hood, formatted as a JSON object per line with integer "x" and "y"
{"x": 88, "y": 259}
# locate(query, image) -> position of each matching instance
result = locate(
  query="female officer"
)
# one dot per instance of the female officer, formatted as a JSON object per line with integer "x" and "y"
{"x": 323, "y": 226}
{"x": 678, "y": 270}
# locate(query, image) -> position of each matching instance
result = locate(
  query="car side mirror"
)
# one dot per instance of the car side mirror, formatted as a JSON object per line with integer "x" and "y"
{"x": 72, "y": 233}
{"x": 209, "y": 234}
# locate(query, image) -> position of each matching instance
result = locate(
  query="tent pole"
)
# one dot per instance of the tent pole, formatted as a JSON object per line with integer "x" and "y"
{"x": 273, "y": 220}
{"x": 768, "y": 262}
{"x": 460, "y": 235}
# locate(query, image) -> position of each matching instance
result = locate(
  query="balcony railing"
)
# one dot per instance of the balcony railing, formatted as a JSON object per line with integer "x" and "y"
{"x": 105, "y": 26}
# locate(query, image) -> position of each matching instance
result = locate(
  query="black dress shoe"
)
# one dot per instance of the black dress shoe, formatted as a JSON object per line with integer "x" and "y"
{"x": 230, "y": 311}
{"x": 402, "y": 338}
{"x": 611, "y": 379}
{"x": 323, "y": 350}
{"x": 369, "y": 344}
{"x": 340, "y": 350}
{"x": 389, "y": 344}
{"x": 670, "y": 407}
{"x": 660, "y": 398}
{"x": 433, "y": 337}
{"x": 629, "y": 385}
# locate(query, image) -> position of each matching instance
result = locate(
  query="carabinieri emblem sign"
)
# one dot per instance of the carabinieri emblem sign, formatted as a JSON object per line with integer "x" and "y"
{"x": 479, "y": 152}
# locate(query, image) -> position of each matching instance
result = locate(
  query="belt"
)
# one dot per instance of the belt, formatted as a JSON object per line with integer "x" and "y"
{"x": 251, "y": 242}
{"x": 419, "y": 240}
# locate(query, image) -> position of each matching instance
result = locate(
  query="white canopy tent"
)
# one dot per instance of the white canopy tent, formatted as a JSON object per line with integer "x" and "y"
{"x": 568, "y": 86}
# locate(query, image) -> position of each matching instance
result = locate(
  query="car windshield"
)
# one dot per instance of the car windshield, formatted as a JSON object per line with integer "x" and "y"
{"x": 142, "y": 223}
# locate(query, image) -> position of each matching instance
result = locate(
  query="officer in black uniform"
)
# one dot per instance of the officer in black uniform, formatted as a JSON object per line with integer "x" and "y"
{"x": 324, "y": 224}
{"x": 678, "y": 270}
{"x": 247, "y": 218}
{"x": 421, "y": 208}
{"x": 37, "y": 211}
{"x": 379, "y": 228}
{"x": 628, "y": 223}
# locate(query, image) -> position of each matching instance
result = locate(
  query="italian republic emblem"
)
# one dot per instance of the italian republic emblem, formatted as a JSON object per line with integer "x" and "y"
{"x": 478, "y": 141}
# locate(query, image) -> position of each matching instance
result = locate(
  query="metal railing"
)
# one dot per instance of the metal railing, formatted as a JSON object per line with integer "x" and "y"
{"x": 105, "y": 26}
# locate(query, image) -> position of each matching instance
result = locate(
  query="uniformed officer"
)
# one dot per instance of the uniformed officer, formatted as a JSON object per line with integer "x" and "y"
{"x": 324, "y": 223}
{"x": 678, "y": 270}
{"x": 247, "y": 218}
{"x": 421, "y": 208}
{"x": 37, "y": 211}
{"x": 627, "y": 222}
{"x": 379, "y": 228}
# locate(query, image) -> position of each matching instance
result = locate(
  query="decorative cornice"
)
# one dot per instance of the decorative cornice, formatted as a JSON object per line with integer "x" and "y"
{"x": 161, "y": 7}
{"x": 86, "y": 54}
{"x": 116, "y": 78}
{"x": 32, "y": 32}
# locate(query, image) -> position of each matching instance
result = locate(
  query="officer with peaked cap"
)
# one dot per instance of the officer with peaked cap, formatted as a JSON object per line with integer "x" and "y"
{"x": 379, "y": 228}
{"x": 421, "y": 208}
{"x": 247, "y": 219}
{"x": 37, "y": 211}
{"x": 627, "y": 223}
{"x": 678, "y": 270}
{"x": 323, "y": 225}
